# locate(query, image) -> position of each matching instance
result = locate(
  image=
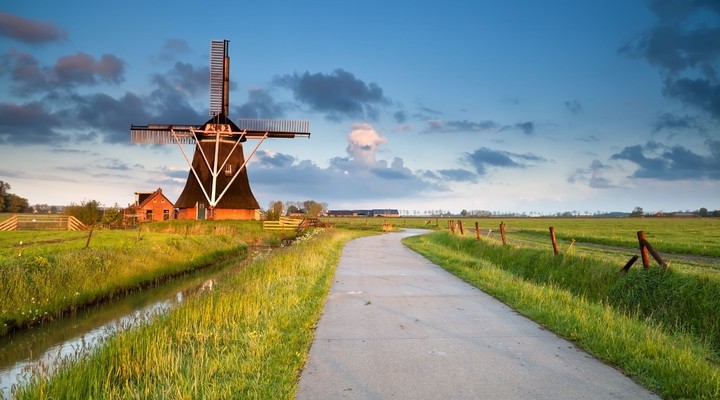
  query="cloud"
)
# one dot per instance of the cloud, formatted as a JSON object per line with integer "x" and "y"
{"x": 440, "y": 126}
{"x": 81, "y": 68}
{"x": 184, "y": 79}
{"x": 363, "y": 143}
{"x": 271, "y": 159}
{"x": 400, "y": 116}
{"x": 527, "y": 128}
{"x": 68, "y": 72}
{"x": 657, "y": 161}
{"x": 457, "y": 175}
{"x": 29, "y": 123}
{"x": 92, "y": 116}
{"x": 260, "y": 104}
{"x": 172, "y": 48}
{"x": 359, "y": 175}
{"x": 29, "y": 31}
{"x": 685, "y": 46}
{"x": 340, "y": 95}
{"x": 484, "y": 157}
{"x": 669, "y": 121}
{"x": 573, "y": 106}
{"x": 108, "y": 116}
{"x": 703, "y": 94}
{"x": 593, "y": 176}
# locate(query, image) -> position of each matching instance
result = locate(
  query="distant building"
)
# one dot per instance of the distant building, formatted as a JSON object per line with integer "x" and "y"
{"x": 149, "y": 207}
{"x": 376, "y": 212}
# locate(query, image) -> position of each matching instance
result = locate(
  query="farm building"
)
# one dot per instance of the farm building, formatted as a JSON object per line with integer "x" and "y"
{"x": 376, "y": 212}
{"x": 149, "y": 207}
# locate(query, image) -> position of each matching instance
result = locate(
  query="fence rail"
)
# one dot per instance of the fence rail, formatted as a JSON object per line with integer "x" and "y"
{"x": 285, "y": 223}
{"x": 40, "y": 222}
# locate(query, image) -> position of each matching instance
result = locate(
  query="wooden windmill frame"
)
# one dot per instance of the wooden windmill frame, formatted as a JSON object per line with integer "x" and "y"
{"x": 219, "y": 139}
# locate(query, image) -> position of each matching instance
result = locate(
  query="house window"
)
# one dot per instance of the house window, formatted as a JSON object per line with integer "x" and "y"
{"x": 228, "y": 169}
{"x": 166, "y": 215}
{"x": 148, "y": 215}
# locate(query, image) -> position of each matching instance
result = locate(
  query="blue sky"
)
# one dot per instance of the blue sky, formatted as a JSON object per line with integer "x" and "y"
{"x": 522, "y": 106}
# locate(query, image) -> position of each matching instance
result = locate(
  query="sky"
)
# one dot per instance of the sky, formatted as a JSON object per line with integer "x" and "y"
{"x": 521, "y": 106}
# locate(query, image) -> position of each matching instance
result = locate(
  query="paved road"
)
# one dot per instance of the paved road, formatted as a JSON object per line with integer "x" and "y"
{"x": 396, "y": 326}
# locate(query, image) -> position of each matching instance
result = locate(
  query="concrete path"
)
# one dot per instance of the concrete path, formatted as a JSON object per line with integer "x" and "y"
{"x": 396, "y": 326}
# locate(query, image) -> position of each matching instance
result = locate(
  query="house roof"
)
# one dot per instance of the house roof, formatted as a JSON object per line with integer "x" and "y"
{"x": 154, "y": 195}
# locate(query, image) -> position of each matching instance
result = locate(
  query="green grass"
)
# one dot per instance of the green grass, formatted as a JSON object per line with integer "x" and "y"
{"x": 53, "y": 273}
{"x": 248, "y": 338}
{"x": 666, "y": 341}
{"x": 697, "y": 236}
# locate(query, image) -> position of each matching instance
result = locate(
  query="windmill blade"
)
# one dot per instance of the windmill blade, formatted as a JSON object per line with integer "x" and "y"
{"x": 163, "y": 134}
{"x": 219, "y": 77}
{"x": 274, "y": 128}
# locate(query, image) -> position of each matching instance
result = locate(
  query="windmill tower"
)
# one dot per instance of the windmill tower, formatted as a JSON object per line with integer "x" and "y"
{"x": 217, "y": 186}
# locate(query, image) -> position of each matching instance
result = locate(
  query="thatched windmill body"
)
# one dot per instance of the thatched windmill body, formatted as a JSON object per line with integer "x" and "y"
{"x": 217, "y": 185}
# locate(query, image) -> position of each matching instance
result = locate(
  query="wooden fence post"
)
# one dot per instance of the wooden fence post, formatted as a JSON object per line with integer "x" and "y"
{"x": 554, "y": 241}
{"x": 502, "y": 232}
{"x": 477, "y": 231}
{"x": 462, "y": 232}
{"x": 629, "y": 264}
{"x": 452, "y": 225}
{"x": 654, "y": 253}
{"x": 643, "y": 249}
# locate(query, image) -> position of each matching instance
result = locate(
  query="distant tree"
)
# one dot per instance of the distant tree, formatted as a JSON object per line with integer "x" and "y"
{"x": 313, "y": 208}
{"x": 16, "y": 204}
{"x": 88, "y": 212}
{"x": 53, "y": 209}
{"x": 703, "y": 212}
{"x": 275, "y": 210}
{"x": 637, "y": 212}
{"x": 112, "y": 215}
{"x": 464, "y": 213}
{"x": 41, "y": 208}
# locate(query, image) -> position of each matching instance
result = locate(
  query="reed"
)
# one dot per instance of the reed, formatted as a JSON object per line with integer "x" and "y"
{"x": 587, "y": 301}
{"x": 248, "y": 338}
{"x": 47, "y": 278}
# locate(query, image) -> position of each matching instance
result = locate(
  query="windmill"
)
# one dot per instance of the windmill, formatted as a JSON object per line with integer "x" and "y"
{"x": 217, "y": 185}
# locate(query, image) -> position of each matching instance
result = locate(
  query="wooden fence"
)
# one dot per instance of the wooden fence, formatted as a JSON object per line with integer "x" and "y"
{"x": 646, "y": 249}
{"x": 42, "y": 222}
{"x": 285, "y": 223}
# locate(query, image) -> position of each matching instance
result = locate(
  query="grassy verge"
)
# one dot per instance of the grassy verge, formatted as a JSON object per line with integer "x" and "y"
{"x": 574, "y": 298}
{"x": 248, "y": 338}
{"x": 52, "y": 273}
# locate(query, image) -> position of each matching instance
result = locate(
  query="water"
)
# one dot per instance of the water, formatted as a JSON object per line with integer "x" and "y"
{"x": 40, "y": 348}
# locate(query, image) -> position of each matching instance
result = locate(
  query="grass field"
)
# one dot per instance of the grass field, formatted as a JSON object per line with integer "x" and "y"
{"x": 47, "y": 273}
{"x": 696, "y": 236}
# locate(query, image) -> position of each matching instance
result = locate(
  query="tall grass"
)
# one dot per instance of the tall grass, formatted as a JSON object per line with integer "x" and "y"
{"x": 43, "y": 281}
{"x": 668, "y": 345}
{"x": 247, "y": 339}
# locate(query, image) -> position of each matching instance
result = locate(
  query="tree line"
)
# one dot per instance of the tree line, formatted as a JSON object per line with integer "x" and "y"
{"x": 309, "y": 208}
{"x": 10, "y": 202}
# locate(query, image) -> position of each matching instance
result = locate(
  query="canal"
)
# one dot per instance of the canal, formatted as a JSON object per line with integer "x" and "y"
{"x": 39, "y": 349}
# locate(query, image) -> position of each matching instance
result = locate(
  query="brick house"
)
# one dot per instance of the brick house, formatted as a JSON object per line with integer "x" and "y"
{"x": 149, "y": 207}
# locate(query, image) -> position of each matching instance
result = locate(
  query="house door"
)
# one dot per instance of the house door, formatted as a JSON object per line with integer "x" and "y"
{"x": 201, "y": 211}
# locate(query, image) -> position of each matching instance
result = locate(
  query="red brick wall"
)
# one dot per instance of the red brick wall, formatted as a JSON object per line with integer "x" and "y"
{"x": 221, "y": 213}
